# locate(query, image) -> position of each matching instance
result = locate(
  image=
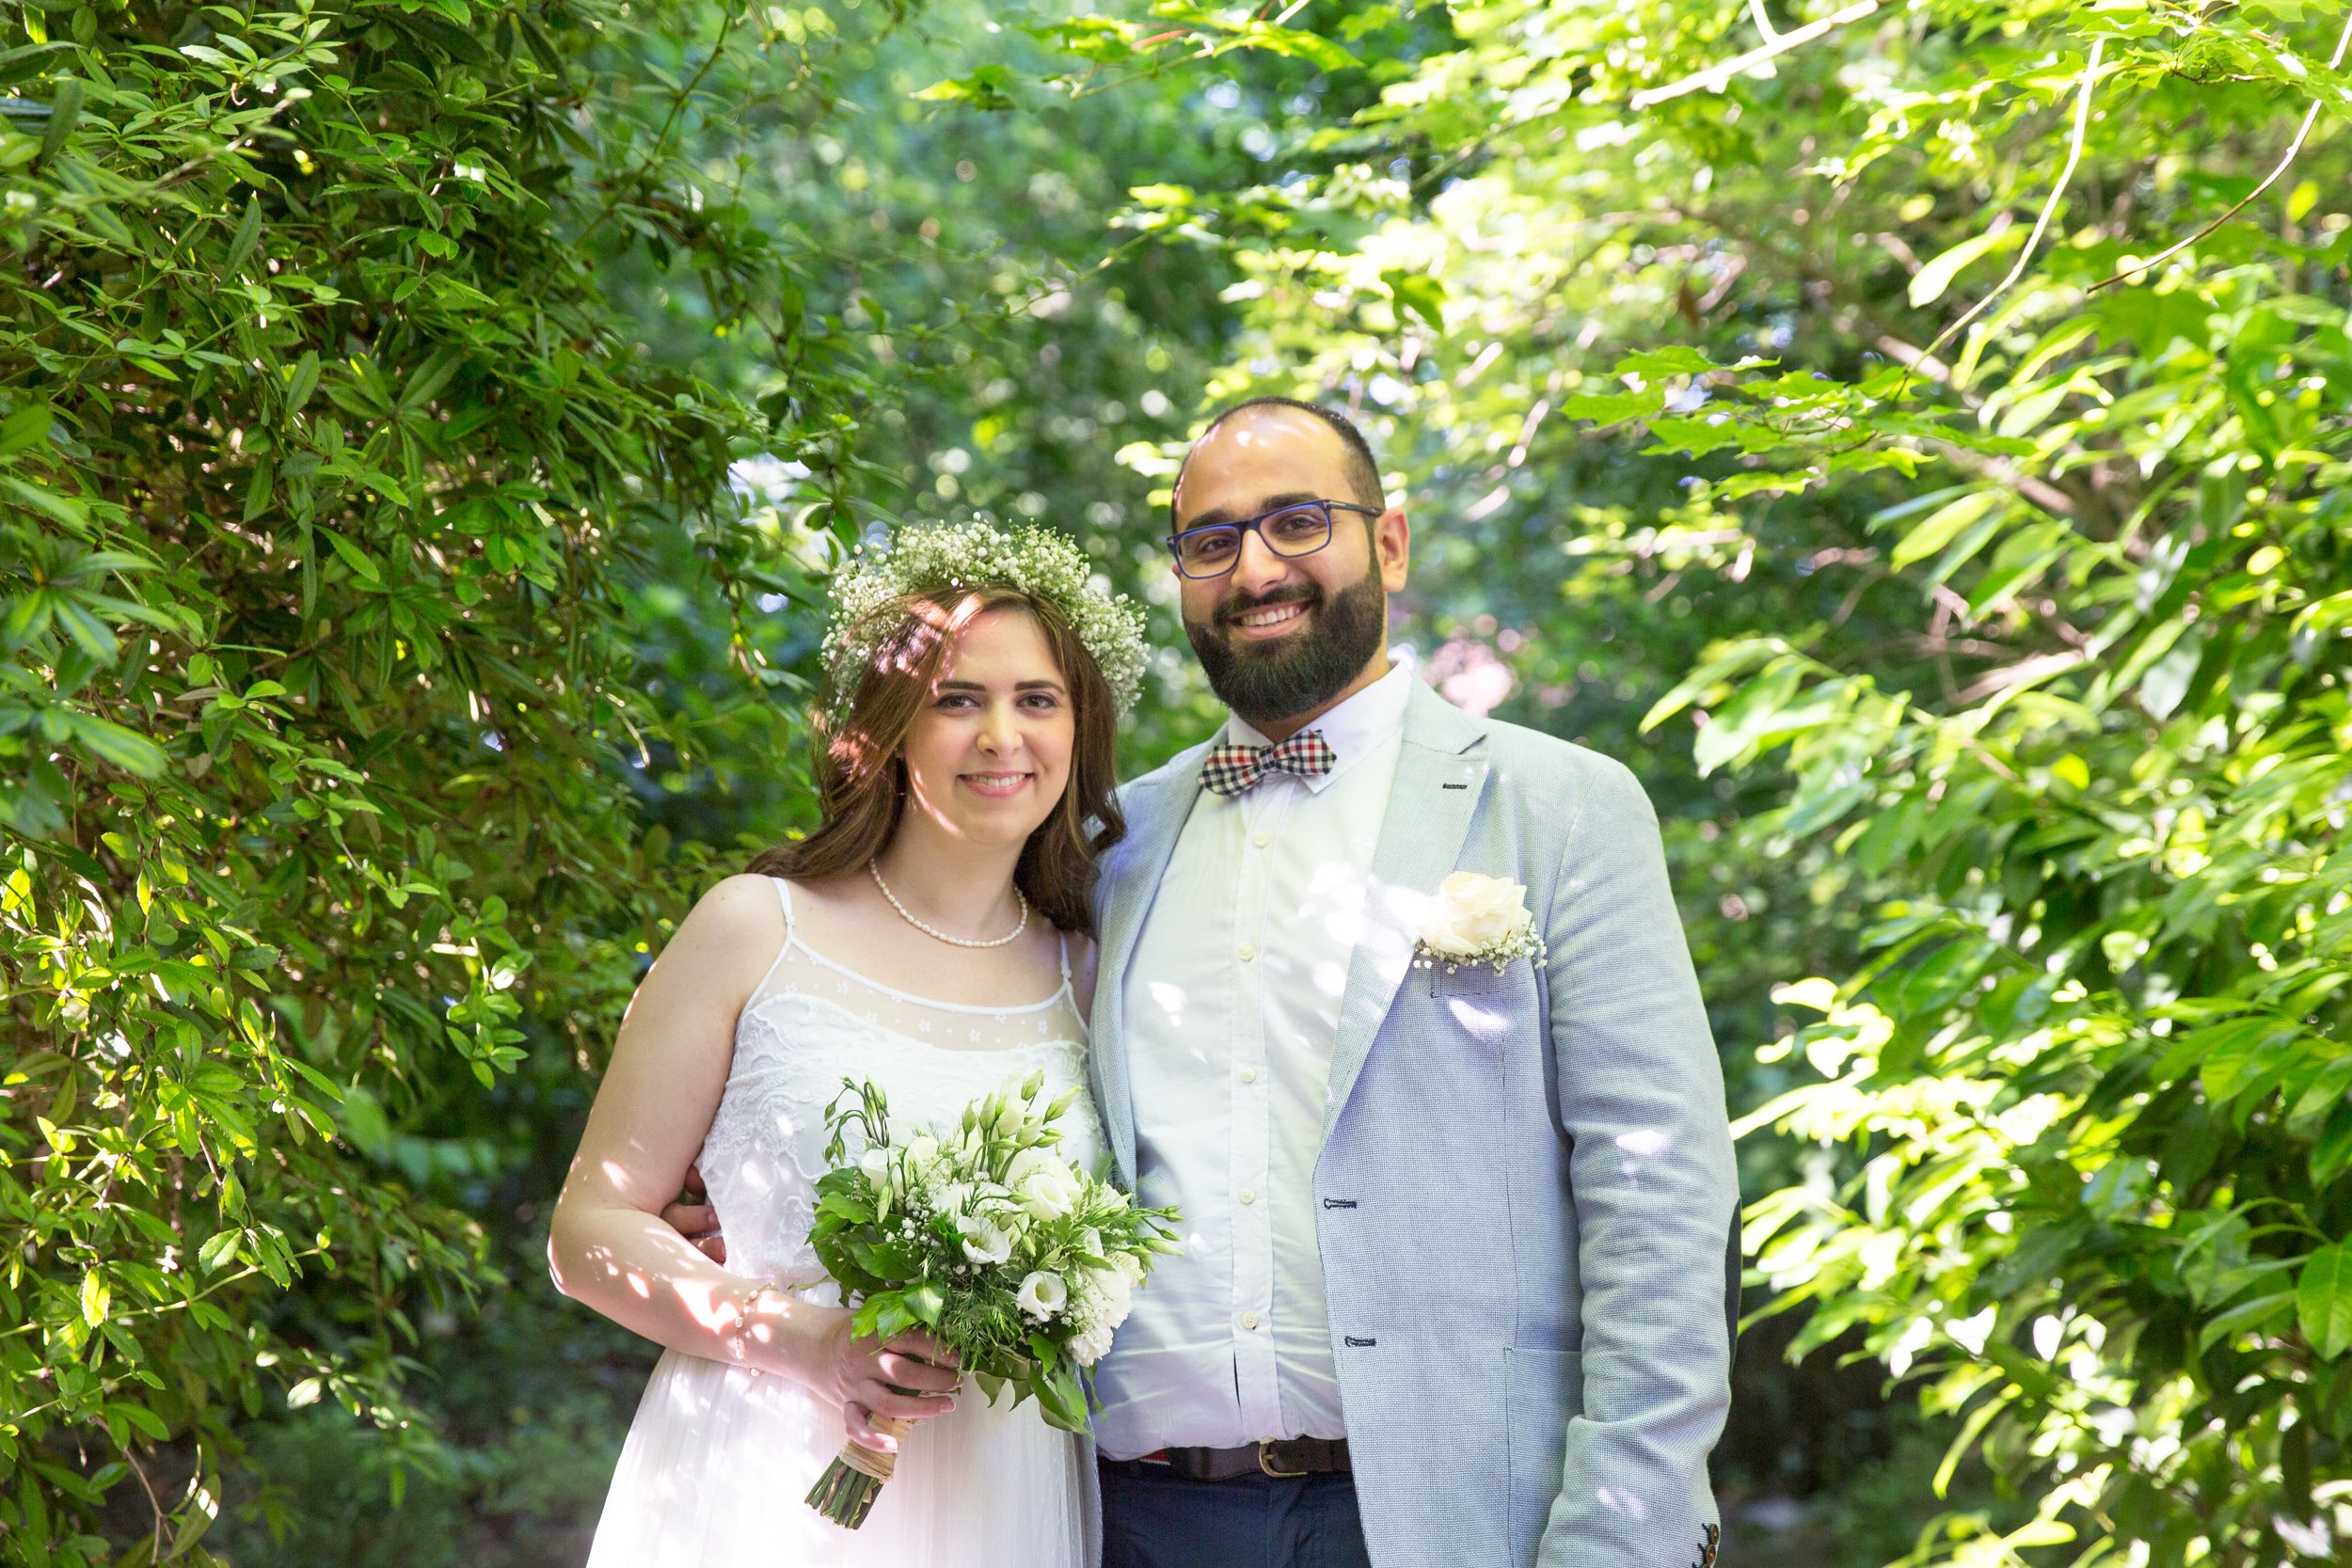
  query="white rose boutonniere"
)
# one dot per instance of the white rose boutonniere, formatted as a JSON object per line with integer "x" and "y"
{"x": 1478, "y": 920}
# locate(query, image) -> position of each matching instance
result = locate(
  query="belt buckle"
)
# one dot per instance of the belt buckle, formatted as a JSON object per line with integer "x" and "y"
{"x": 1265, "y": 1446}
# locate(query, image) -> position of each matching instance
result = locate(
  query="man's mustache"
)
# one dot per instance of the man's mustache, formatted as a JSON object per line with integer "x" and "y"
{"x": 1239, "y": 603}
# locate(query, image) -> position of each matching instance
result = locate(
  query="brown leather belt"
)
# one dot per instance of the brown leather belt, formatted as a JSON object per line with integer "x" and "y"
{"x": 1278, "y": 1458}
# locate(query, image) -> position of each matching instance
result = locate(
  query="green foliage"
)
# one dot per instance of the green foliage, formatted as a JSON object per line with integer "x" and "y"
{"x": 328, "y": 470}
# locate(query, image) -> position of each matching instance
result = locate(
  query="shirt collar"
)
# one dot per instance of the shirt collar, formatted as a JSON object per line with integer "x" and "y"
{"x": 1355, "y": 728}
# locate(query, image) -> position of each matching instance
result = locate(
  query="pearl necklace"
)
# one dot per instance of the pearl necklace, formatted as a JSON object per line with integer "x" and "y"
{"x": 873, "y": 869}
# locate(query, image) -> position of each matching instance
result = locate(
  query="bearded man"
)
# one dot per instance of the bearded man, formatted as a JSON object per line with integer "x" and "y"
{"x": 1396, "y": 1006}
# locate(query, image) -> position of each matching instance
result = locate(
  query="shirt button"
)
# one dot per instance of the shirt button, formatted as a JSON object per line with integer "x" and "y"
{"x": 1249, "y": 1320}
{"x": 1246, "y": 953}
{"x": 1248, "y": 1194}
{"x": 1250, "y": 1075}
{"x": 1262, "y": 840}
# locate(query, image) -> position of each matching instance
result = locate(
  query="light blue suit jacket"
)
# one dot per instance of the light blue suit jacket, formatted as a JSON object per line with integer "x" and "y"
{"x": 1526, "y": 1181}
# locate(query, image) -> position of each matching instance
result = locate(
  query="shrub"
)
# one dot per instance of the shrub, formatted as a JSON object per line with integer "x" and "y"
{"x": 323, "y": 465}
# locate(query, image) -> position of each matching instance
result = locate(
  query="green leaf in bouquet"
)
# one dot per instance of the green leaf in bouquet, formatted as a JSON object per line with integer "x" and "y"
{"x": 1043, "y": 1348}
{"x": 1063, "y": 1400}
{"x": 887, "y": 1260}
{"x": 843, "y": 1204}
{"x": 990, "y": 1384}
{"x": 892, "y": 1315}
{"x": 926, "y": 1301}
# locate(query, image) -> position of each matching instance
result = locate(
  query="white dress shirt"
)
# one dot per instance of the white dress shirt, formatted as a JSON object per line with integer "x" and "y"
{"x": 1232, "y": 1009}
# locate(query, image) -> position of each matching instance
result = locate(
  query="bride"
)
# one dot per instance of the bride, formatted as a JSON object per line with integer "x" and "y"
{"x": 927, "y": 935}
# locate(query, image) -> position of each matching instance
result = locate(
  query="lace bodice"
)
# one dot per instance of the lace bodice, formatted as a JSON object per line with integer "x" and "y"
{"x": 814, "y": 1022}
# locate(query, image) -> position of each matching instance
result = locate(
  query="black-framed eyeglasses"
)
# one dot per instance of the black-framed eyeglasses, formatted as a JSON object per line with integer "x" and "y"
{"x": 1299, "y": 529}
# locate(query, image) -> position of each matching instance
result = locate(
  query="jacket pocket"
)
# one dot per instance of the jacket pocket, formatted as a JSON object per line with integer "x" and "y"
{"x": 1473, "y": 979}
{"x": 1543, "y": 1389}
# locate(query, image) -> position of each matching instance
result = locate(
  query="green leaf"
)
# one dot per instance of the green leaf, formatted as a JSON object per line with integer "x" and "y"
{"x": 1928, "y": 283}
{"x": 65, "y": 108}
{"x": 1942, "y": 526}
{"x": 248, "y": 234}
{"x": 96, "y": 1298}
{"x": 2244, "y": 1318}
{"x": 219, "y": 1250}
{"x": 354, "y": 557}
{"x": 303, "y": 383}
{"x": 28, "y": 427}
{"x": 1419, "y": 294}
{"x": 1656, "y": 364}
{"x": 2323, "y": 1300}
{"x": 126, "y": 749}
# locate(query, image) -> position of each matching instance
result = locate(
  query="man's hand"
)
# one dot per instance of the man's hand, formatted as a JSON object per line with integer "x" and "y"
{"x": 692, "y": 1218}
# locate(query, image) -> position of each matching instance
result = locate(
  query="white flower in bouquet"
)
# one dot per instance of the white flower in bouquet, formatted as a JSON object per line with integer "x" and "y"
{"x": 1047, "y": 1187}
{"x": 1129, "y": 1267}
{"x": 875, "y": 1163}
{"x": 1042, "y": 1295}
{"x": 1091, "y": 1241}
{"x": 1090, "y": 1345}
{"x": 985, "y": 1240}
{"x": 1112, "y": 1295}
{"x": 922, "y": 1155}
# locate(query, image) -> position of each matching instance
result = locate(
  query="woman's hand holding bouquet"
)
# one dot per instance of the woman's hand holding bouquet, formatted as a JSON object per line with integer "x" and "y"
{"x": 1009, "y": 1263}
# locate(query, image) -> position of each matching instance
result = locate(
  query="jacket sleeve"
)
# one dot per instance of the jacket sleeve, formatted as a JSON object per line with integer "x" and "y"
{"x": 1655, "y": 1194}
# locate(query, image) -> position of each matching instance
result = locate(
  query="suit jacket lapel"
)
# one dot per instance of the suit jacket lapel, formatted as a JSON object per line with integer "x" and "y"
{"x": 1156, "y": 810}
{"x": 1440, "y": 779}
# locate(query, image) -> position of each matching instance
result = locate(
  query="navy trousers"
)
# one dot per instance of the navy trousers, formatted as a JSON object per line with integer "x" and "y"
{"x": 1158, "y": 1521}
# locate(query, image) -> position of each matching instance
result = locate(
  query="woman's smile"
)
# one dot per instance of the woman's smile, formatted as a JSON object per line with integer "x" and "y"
{"x": 997, "y": 786}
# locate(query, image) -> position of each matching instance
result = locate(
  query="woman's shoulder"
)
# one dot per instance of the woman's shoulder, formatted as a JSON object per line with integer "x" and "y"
{"x": 741, "y": 897}
{"x": 738, "y": 917}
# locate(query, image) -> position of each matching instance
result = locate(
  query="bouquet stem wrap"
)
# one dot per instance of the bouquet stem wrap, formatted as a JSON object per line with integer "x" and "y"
{"x": 846, "y": 1492}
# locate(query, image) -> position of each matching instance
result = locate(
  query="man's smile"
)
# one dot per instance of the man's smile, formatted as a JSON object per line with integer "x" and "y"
{"x": 1271, "y": 621}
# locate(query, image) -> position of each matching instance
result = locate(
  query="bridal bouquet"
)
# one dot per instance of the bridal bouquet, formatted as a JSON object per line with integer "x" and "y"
{"x": 989, "y": 1239}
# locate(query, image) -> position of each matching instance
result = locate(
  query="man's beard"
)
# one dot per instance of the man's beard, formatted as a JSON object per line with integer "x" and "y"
{"x": 1267, "y": 682}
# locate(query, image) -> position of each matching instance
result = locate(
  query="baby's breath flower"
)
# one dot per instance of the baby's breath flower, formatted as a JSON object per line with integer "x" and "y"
{"x": 974, "y": 555}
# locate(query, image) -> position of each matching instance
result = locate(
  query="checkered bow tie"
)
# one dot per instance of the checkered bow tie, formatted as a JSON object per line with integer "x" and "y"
{"x": 1235, "y": 769}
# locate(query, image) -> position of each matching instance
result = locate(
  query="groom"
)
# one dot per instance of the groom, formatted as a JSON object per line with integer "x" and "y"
{"x": 1453, "y": 1292}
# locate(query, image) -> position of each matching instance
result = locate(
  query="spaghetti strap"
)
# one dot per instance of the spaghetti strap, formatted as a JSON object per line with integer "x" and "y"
{"x": 1065, "y": 957}
{"x": 783, "y": 896}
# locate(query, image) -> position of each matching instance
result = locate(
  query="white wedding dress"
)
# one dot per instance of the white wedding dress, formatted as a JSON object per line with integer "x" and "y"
{"x": 718, "y": 1458}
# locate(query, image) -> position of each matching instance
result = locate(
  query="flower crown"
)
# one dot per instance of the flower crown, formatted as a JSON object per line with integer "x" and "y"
{"x": 977, "y": 555}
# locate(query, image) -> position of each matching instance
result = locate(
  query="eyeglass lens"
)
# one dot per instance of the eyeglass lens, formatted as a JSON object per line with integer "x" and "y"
{"x": 1295, "y": 530}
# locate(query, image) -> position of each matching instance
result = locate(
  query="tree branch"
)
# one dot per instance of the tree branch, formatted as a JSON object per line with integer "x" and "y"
{"x": 2049, "y": 208}
{"x": 2310, "y": 118}
{"x": 1716, "y": 77}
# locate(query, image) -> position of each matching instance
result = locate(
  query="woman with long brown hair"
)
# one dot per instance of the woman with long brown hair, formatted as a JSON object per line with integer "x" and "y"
{"x": 929, "y": 935}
